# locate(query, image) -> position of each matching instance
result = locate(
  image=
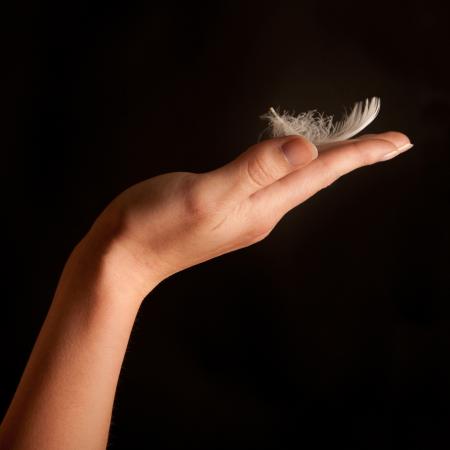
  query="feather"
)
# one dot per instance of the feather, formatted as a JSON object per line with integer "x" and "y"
{"x": 320, "y": 128}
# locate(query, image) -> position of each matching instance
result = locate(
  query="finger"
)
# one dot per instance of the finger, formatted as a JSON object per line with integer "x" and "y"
{"x": 399, "y": 139}
{"x": 259, "y": 167}
{"x": 331, "y": 164}
{"x": 367, "y": 135}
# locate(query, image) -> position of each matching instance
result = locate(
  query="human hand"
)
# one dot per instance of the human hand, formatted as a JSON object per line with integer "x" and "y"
{"x": 179, "y": 219}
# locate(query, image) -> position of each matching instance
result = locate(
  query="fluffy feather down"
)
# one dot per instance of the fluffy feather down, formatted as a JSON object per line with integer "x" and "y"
{"x": 320, "y": 128}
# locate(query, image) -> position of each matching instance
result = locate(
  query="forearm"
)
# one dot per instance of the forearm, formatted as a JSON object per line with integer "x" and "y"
{"x": 65, "y": 397}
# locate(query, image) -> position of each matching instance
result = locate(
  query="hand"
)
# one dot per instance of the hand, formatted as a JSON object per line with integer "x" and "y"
{"x": 150, "y": 231}
{"x": 179, "y": 219}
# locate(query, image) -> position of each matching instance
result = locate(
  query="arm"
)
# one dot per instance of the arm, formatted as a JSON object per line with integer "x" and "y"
{"x": 150, "y": 231}
{"x": 66, "y": 393}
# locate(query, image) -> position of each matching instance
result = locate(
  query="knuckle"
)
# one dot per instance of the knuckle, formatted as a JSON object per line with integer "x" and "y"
{"x": 365, "y": 158}
{"x": 362, "y": 154}
{"x": 259, "y": 173}
{"x": 260, "y": 237}
{"x": 256, "y": 235}
{"x": 331, "y": 174}
{"x": 366, "y": 155}
{"x": 197, "y": 202}
{"x": 260, "y": 231}
{"x": 358, "y": 154}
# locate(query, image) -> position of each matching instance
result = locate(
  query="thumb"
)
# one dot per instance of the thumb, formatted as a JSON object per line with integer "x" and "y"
{"x": 262, "y": 164}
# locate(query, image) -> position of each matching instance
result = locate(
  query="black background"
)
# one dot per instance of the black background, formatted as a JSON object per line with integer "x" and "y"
{"x": 334, "y": 330}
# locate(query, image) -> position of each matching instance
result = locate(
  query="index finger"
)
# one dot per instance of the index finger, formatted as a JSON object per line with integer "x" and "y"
{"x": 337, "y": 160}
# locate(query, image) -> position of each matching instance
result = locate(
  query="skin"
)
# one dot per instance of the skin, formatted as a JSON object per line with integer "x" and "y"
{"x": 150, "y": 231}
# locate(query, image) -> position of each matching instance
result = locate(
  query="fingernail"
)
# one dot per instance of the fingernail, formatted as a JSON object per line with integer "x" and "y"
{"x": 405, "y": 147}
{"x": 399, "y": 150}
{"x": 390, "y": 155}
{"x": 295, "y": 152}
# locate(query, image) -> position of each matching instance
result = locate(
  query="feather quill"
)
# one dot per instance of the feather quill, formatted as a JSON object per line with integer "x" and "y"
{"x": 320, "y": 128}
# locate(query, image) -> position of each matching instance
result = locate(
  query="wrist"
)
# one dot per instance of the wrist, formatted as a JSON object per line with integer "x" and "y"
{"x": 101, "y": 258}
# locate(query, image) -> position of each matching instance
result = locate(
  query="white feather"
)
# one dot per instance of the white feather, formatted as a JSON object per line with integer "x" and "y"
{"x": 320, "y": 128}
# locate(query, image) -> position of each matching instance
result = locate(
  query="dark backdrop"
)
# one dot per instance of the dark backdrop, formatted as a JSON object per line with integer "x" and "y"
{"x": 334, "y": 329}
